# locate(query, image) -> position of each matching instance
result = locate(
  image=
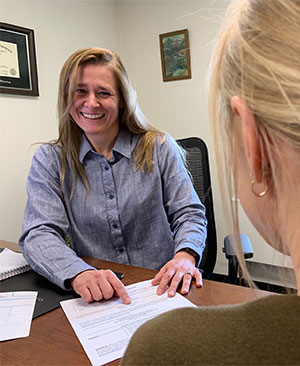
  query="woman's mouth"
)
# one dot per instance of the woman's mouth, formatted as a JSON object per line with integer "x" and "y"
{"x": 92, "y": 116}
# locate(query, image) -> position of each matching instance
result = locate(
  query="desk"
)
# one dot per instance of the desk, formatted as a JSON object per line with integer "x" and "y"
{"x": 53, "y": 342}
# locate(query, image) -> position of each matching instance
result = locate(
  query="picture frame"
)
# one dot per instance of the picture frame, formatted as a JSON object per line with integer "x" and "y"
{"x": 175, "y": 55}
{"x": 18, "y": 68}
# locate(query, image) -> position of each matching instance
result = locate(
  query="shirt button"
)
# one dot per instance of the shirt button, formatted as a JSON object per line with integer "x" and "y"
{"x": 115, "y": 226}
{"x": 111, "y": 196}
{"x": 106, "y": 167}
{"x": 120, "y": 250}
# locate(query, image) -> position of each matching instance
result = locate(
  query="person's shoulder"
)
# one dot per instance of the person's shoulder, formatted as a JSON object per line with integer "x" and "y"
{"x": 214, "y": 316}
{"x": 169, "y": 155}
{"x": 275, "y": 305}
{"x": 164, "y": 139}
{"x": 47, "y": 153}
{"x": 48, "y": 148}
{"x": 207, "y": 334}
{"x": 166, "y": 144}
{"x": 167, "y": 338}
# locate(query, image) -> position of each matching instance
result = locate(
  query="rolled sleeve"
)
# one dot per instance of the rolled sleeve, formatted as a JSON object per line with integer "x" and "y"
{"x": 45, "y": 224}
{"x": 186, "y": 213}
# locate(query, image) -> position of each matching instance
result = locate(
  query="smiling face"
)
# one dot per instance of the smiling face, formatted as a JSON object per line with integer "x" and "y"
{"x": 96, "y": 103}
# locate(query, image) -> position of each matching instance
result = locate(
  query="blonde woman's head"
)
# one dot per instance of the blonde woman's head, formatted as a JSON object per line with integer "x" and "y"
{"x": 130, "y": 115}
{"x": 257, "y": 61}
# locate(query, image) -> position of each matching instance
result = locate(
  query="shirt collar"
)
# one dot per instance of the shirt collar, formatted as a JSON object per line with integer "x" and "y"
{"x": 122, "y": 145}
{"x": 85, "y": 147}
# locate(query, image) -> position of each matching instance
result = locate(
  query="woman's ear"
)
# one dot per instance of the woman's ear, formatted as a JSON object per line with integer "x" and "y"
{"x": 250, "y": 136}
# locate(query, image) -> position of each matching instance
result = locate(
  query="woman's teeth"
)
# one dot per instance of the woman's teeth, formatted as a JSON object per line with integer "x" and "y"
{"x": 93, "y": 116}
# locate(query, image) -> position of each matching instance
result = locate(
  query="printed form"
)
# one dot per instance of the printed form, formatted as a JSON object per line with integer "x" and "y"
{"x": 16, "y": 311}
{"x": 105, "y": 328}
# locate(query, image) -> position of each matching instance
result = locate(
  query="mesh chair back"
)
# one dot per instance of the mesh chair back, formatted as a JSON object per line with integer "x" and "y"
{"x": 198, "y": 166}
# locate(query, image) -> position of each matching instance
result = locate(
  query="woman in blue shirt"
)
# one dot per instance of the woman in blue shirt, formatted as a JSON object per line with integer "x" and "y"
{"x": 112, "y": 185}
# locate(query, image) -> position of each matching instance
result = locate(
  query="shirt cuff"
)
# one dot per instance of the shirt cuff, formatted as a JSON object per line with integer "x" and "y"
{"x": 62, "y": 277}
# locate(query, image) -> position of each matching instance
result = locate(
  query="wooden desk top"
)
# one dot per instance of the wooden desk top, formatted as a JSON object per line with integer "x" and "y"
{"x": 52, "y": 340}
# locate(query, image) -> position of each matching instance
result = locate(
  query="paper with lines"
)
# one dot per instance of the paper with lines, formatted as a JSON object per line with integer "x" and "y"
{"x": 104, "y": 328}
{"x": 16, "y": 310}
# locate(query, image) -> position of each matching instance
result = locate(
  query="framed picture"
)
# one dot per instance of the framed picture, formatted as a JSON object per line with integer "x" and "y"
{"x": 175, "y": 55}
{"x": 18, "y": 71}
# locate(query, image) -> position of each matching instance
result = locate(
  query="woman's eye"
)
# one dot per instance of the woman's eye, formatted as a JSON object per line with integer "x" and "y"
{"x": 104, "y": 94}
{"x": 80, "y": 91}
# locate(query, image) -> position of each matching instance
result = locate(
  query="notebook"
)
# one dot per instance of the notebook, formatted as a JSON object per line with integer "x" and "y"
{"x": 12, "y": 264}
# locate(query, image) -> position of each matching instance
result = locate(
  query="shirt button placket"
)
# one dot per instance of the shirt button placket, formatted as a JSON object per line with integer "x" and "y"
{"x": 113, "y": 215}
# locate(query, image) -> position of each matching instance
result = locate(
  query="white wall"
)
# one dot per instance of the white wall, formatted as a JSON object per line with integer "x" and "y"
{"x": 131, "y": 28}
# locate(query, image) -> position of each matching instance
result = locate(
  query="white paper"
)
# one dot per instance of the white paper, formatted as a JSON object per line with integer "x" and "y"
{"x": 105, "y": 328}
{"x": 9, "y": 64}
{"x": 16, "y": 311}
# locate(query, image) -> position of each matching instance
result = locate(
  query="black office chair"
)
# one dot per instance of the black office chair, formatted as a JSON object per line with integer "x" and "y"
{"x": 198, "y": 166}
{"x": 234, "y": 270}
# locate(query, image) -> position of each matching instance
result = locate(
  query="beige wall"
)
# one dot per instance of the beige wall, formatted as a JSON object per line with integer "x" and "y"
{"x": 130, "y": 28}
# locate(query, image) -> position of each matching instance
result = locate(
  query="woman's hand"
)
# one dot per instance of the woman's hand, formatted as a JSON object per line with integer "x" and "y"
{"x": 181, "y": 267}
{"x": 95, "y": 285}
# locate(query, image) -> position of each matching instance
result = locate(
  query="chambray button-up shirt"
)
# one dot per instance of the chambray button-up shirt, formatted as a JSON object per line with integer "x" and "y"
{"x": 128, "y": 216}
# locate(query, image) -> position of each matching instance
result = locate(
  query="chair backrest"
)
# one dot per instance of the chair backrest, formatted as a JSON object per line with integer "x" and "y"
{"x": 198, "y": 166}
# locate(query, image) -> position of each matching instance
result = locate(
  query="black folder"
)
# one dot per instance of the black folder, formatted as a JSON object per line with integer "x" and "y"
{"x": 49, "y": 294}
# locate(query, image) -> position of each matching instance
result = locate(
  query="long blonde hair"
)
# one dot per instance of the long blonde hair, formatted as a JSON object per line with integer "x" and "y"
{"x": 131, "y": 117}
{"x": 256, "y": 58}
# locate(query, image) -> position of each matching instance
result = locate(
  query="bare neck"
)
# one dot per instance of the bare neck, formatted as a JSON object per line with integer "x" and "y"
{"x": 104, "y": 144}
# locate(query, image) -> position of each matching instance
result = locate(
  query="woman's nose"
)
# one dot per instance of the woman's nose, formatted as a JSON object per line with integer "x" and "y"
{"x": 92, "y": 100}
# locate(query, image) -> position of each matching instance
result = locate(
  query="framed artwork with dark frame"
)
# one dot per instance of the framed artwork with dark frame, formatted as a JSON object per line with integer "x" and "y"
{"x": 175, "y": 55}
{"x": 18, "y": 70}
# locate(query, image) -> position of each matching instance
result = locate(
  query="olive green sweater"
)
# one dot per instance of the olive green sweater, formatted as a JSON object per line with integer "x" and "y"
{"x": 262, "y": 332}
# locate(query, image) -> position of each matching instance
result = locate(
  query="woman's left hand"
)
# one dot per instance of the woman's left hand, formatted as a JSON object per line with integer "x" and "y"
{"x": 181, "y": 267}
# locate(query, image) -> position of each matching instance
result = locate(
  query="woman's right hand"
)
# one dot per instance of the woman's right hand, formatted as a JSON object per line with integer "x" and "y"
{"x": 95, "y": 285}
